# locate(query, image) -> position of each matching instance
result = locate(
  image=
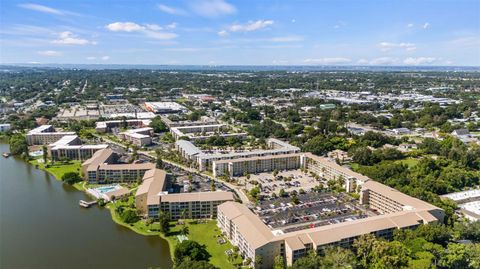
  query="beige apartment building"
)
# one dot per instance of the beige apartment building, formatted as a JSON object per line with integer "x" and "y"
{"x": 332, "y": 171}
{"x": 204, "y": 161}
{"x": 140, "y": 137}
{"x": 107, "y": 126}
{"x": 44, "y": 135}
{"x": 101, "y": 169}
{"x": 152, "y": 197}
{"x": 70, "y": 147}
{"x": 254, "y": 165}
{"x": 246, "y": 230}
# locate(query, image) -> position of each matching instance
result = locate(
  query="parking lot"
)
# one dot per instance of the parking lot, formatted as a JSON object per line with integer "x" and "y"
{"x": 313, "y": 210}
{"x": 186, "y": 182}
{"x": 287, "y": 180}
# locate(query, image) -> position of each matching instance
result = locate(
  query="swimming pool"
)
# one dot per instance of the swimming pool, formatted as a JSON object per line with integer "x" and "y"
{"x": 105, "y": 189}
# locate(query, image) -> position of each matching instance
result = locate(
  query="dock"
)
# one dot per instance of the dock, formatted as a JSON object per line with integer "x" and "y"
{"x": 87, "y": 204}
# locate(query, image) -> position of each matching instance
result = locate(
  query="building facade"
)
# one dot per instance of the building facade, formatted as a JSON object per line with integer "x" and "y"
{"x": 44, "y": 135}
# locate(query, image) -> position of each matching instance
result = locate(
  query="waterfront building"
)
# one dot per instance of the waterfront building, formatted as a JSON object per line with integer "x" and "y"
{"x": 102, "y": 169}
{"x": 44, "y": 135}
{"x": 70, "y": 147}
{"x": 152, "y": 197}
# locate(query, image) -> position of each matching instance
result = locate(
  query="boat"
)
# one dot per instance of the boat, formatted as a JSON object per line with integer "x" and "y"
{"x": 6, "y": 154}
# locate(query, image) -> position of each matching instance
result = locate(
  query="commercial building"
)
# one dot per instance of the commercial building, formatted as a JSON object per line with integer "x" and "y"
{"x": 44, "y": 135}
{"x": 70, "y": 147}
{"x": 102, "y": 168}
{"x": 164, "y": 107}
{"x": 107, "y": 126}
{"x": 140, "y": 137}
{"x": 254, "y": 238}
{"x": 152, "y": 197}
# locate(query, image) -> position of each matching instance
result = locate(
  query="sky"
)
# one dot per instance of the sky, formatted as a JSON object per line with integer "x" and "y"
{"x": 227, "y": 32}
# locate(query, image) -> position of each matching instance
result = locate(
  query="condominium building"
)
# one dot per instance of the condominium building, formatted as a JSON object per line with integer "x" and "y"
{"x": 205, "y": 161}
{"x": 140, "y": 137}
{"x": 107, "y": 126}
{"x": 332, "y": 171}
{"x": 70, "y": 147}
{"x": 254, "y": 165}
{"x": 202, "y": 132}
{"x": 247, "y": 231}
{"x": 44, "y": 135}
{"x": 152, "y": 197}
{"x": 101, "y": 168}
{"x": 203, "y": 121}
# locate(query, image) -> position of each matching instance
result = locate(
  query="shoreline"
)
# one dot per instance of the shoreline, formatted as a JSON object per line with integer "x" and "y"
{"x": 80, "y": 186}
{"x": 198, "y": 230}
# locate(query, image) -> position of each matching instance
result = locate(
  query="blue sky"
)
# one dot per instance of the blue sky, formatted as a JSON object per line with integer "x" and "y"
{"x": 227, "y": 32}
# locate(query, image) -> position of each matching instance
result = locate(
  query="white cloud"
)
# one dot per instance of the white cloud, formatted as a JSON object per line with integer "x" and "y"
{"x": 384, "y": 61}
{"x": 419, "y": 60}
{"x": 41, "y": 8}
{"x": 465, "y": 42}
{"x": 172, "y": 25}
{"x": 387, "y": 46}
{"x": 213, "y": 8}
{"x": 68, "y": 38}
{"x": 103, "y": 58}
{"x": 222, "y": 33}
{"x": 160, "y": 35}
{"x": 293, "y": 21}
{"x": 410, "y": 25}
{"x": 426, "y": 25}
{"x": 171, "y": 10}
{"x": 124, "y": 27}
{"x": 335, "y": 60}
{"x": 292, "y": 38}
{"x": 49, "y": 53}
{"x": 250, "y": 26}
{"x": 150, "y": 30}
{"x": 153, "y": 27}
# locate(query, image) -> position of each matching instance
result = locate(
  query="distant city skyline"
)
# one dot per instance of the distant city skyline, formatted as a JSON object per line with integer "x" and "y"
{"x": 226, "y": 32}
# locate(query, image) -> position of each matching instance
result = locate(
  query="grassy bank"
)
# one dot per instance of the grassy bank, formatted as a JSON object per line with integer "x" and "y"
{"x": 59, "y": 169}
{"x": 205, "y": 233}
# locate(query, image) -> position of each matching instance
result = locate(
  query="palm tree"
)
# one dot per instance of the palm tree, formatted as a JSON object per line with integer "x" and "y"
{"x": 184, "y": 231}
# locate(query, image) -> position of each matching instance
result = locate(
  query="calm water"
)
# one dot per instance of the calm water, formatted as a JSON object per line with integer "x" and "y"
{"x": 42, "y": 226}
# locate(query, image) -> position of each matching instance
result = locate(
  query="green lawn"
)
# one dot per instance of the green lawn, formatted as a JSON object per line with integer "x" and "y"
{"x": 207, "y": 234}
{"x": 204, "y": 233}
{"x": 410, "y": 162}
{"x": 59, "y": 169}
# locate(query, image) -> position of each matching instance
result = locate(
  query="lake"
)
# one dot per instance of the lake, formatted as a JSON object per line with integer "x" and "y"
{"x": 42, "y": 226}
